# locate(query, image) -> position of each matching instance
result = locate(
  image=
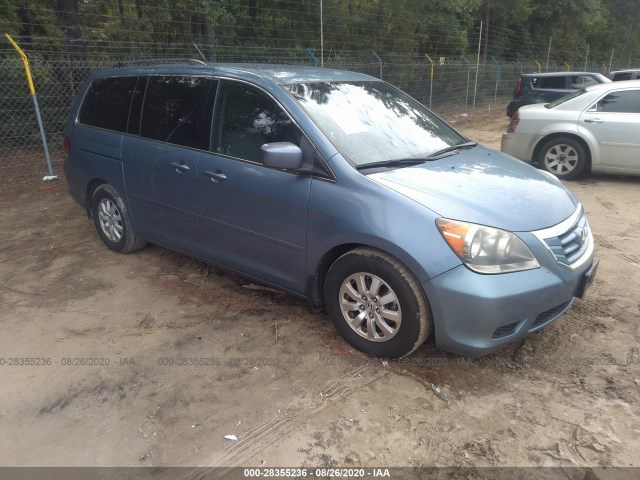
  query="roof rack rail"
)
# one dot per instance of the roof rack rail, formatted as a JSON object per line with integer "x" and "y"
{"x": 161, "y": 61}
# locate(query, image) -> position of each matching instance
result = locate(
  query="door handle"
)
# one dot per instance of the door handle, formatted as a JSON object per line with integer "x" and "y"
{"x": 180, "y": 167}
{"x": 215, "y": 176}
{"x": 594, "y": 120}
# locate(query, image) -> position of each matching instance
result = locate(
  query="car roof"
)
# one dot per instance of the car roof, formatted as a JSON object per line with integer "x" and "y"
{"x": 279, "y": 73}
{"x": 626, "y": 70}
{"x": 615, "y": 85}
{"x": 556, "y": 74}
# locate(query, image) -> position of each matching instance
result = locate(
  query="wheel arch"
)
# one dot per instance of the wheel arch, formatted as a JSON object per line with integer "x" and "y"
{"x": 91, "y": 187}
{"x": 315, "y": 282}
{"x": 544, "y": 140}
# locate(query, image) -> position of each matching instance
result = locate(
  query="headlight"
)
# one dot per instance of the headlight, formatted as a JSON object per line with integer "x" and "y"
{"x": 486, "y": 249}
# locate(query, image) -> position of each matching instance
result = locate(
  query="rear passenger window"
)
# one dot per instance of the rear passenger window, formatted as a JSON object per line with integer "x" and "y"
{"x": 246, "y": 119}
{"x": 173, "y": 110}
{"x": 552, "y": 83}
{"x": 627, "y": 101}
{"x": 106, "y": 104}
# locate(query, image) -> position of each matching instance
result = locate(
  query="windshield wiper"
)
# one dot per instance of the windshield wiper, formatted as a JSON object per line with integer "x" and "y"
{"x": 404, "y": 162}
{"x": 450, "y": 150}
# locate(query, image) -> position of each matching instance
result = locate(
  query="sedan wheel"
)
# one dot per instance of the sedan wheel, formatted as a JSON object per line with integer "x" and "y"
{"x": 563, "y": 157}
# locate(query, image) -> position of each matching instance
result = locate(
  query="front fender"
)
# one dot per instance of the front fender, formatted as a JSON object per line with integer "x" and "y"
{"x": 358, "y": 211}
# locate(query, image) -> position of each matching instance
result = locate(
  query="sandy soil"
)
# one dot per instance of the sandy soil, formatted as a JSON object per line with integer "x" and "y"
{"x": 278, "y": 376}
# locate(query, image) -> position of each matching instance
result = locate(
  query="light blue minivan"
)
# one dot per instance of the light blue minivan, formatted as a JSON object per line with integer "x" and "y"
{"x": 335, "y": 186}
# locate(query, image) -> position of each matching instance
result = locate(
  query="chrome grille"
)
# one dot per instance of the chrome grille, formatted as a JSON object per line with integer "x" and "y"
{"x": 570, "y": 241}
{"x": 569, "y": 246}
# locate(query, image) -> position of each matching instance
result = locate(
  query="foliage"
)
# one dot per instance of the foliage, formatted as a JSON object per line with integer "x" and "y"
{"x": 273, "y": 29}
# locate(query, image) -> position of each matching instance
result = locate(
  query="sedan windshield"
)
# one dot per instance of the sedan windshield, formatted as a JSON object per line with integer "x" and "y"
{"x": 372, "y": 122}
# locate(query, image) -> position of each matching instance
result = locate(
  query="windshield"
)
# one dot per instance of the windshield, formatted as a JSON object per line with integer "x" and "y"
{"x": 371, "y": 122}
{"x": 561, "y": 100}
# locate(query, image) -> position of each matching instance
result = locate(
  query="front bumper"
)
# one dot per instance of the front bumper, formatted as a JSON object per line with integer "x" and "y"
{"x": 475, "y": 314}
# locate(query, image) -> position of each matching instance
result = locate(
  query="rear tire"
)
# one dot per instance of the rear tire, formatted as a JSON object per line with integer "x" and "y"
{"x": 112, "y": 220}
{"x": 564, "y": 157}
{"x": 376, "y": 303}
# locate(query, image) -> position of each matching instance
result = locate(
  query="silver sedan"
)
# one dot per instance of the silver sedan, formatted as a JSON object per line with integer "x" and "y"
{"x": 595, "y": 129}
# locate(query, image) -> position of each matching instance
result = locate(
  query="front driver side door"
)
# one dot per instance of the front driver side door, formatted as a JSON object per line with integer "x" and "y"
{"x": 253, "y": 218}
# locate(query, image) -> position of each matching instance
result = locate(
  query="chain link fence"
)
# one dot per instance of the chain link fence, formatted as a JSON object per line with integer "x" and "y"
{"x": 456, "y": 86}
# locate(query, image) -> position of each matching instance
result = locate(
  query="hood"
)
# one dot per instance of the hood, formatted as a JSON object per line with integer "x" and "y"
{"x": 483, "y": 186}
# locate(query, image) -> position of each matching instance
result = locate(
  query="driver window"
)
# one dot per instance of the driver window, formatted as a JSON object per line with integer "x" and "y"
{"x": 246, "y": 119}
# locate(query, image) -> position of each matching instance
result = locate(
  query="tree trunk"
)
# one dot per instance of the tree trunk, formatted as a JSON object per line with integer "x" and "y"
{"x": 487, "y": 19}
{"x": 121, "y": 11}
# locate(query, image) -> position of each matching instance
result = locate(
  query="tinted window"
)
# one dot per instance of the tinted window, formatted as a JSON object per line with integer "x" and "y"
{"x": 557, "y": 83}
{"x": 620, "y": 102}
{"x": 371, "y": 121}
{"x": 622, "y": 76}
{"x": 174, "y": 109}
{"x": 246, "y": 119}
{"x": 582, "y": 81}
{"x": 136, "y": 106}
{"x": 106, "y": 104}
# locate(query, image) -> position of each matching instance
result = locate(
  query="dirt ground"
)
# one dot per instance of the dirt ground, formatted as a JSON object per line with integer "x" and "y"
{"x": 152, "y": 358}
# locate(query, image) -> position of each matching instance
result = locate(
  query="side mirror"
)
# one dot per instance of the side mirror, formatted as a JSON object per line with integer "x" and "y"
{"x": 281, "y": 155}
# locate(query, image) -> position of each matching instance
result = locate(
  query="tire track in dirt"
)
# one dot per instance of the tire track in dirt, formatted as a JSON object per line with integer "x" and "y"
{"x": 608, "y": 244}
{"x": 606, "y": 204}
{"x": 277, "y": 427}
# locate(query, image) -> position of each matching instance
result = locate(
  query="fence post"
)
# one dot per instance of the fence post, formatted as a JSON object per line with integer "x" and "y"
{"x": 611, "y": 59}
{"x": 379, "y": 63}
{"x": 466, "y": 98}
{"x": 495, "y": 93}
{"x": 430, "y": 83}
{"x": 548, "y": 53}
{"x": 475, "y": 87}
{"x": 313, "y": 57}
{"x": 586, "y": 59}
{"x": 32, "y": 91}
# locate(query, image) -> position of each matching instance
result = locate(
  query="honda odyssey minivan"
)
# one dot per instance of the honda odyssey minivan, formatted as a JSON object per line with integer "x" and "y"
{"x": 334, "y": 186}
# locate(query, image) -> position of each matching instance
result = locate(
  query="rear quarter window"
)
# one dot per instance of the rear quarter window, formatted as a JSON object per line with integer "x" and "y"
{"x": 106, "y": 104}
{"x": 582, "y": 81}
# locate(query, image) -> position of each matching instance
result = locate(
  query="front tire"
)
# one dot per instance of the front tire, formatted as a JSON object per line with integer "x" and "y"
{"x": 564, "y": 157}
{"x": 112, "y": 220}
{"x": 376, "y": 303}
